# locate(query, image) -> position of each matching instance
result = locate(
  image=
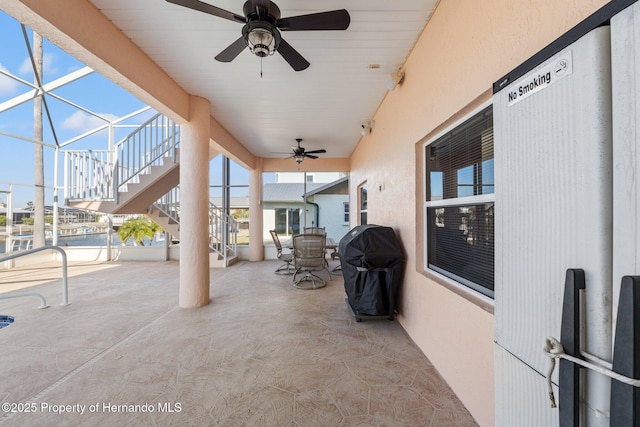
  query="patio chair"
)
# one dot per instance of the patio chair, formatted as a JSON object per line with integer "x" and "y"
{"x": 309, "y": 257}
{"x": 287, "y": 258}
{"x": 322, "y": 232}
{"x": 315, "y": 230}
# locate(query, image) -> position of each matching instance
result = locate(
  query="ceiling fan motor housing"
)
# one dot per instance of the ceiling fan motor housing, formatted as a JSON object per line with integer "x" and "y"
{"x": 272, "y": 13}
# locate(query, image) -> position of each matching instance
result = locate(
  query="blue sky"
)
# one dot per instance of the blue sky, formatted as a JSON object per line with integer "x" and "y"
{"x": 93, "y": 92}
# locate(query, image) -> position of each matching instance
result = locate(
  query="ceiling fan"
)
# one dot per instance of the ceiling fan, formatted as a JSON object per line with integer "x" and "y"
{"x": 299, "y": 152}
{"x": 262, "y": 26}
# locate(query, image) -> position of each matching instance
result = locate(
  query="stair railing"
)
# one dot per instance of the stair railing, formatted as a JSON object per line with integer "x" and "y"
{"x": 103, "y": 174}
{"x": 154, "y": 140}
{"x": 169, "y": 204}
{"x": 223, "y": 232}
{"x": 219, "y": 223}
{"x": 88, "y": 175}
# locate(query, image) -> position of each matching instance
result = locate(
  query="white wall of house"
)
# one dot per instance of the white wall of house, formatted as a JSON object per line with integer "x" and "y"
{"x": 269, "y": 222}
{"x": 331, "y": 215}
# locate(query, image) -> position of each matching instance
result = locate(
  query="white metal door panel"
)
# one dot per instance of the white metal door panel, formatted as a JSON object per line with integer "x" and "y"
{"x": 522, "y": 393}
{"x": 625, "y": 58}
{"x": 553, "y": 201}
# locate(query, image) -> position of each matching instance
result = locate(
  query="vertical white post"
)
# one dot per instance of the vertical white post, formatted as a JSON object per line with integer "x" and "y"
{"x": 194, "y": 206}
{"x": 9, "y": 244}
{"x": 113, "y": 161}
{"x": 304, "y": 209}
{"x": 56, "y": 160}
{"x": 109, "y": 236}
{"x": 256, "y": 232}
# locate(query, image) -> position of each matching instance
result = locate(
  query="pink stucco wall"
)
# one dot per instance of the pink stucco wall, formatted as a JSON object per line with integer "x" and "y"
{"x": 465, "y": 47}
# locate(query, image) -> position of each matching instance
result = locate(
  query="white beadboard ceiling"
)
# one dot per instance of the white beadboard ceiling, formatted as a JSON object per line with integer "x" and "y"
{"x": 326, "y": 104}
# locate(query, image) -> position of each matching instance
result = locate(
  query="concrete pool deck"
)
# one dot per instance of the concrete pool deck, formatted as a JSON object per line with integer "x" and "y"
{"x": 261, "y": 353}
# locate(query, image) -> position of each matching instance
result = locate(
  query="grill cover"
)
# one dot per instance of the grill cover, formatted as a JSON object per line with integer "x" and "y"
{"x": 372, "y": 262}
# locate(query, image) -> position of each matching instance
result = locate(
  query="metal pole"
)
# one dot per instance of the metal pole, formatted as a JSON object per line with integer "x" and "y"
{"x": 109, "y": 236}
{"x": 9, "y": 241}
{"x": 113, "y": 161}
{"x": 304, "y": 209}
{"x": 226, "y": 195}
{"x": 54, "y": 241}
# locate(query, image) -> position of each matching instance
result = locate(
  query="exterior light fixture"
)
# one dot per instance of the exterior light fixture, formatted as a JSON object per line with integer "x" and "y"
{"x": 395, "y": 79}
{"x": 367, "y": 127}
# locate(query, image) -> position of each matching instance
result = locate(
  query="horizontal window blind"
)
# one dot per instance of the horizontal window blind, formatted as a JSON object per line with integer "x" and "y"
{"x": 460, "y": 237}
{"x": 461, "y": 242}
{"x": 460, "y": 163}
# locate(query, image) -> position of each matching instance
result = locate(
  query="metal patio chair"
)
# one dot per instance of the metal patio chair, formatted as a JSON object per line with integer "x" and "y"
{"x": 287, "y": 258}
{"x": 309, "y": 258}
{"x": 315, "y": 230}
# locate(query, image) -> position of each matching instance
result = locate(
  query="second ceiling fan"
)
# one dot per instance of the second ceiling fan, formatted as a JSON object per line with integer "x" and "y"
{"x": 298, "y": 153}
{"x": 262, "y": 26}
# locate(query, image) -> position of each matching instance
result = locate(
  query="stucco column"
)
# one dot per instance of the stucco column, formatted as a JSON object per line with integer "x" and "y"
{"x": 194, "y": 206}
{"x": 256, "y": 245}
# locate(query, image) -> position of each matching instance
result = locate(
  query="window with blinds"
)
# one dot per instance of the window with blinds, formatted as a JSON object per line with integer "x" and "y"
{"x": 459, "y": 206}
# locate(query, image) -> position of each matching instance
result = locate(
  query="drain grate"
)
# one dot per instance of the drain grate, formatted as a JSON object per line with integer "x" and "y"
{"x": 5, "y": 320}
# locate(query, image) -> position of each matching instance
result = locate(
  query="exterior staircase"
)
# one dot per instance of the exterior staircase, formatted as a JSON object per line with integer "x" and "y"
{"x": 166, "y": 211}
{"x": 140, "y": 175}
{"x": 139, "y": 195}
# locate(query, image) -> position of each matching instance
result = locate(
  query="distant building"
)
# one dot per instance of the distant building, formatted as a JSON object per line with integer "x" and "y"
{"x": 66, "y": 215}
{"x": 238, "y": 208}
{"x": 327, "y": 205}
{"x": 18, "y": 214}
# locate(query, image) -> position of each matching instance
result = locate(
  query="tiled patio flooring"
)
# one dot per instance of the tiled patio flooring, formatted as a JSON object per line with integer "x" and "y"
{"x": 261, "y": 354}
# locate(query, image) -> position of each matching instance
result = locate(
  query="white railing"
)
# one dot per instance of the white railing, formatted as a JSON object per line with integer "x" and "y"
{"x": 65, "y": 283}
{"x": 223, "y": 228}
{"x": 223, "y": 232}
{"x": 88, "y": 175}
{"x": 156, "y": 139}
{"x": 169, "y": 204}
{"x": 103, "y": 174}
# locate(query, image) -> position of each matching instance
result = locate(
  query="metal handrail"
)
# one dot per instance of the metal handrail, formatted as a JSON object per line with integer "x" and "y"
{"x": 155, "y": 139}
{"x": 88, "y": 174}
{"x": 65, "y": 284}
{"x": 218, "y": 221}
{"x": 43, "y": 301}
{"x": 169, "y": 205}
{"x": 103, "y": 174}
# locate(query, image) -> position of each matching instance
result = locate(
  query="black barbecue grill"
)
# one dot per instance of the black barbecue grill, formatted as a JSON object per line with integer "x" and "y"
{"x": 372, "y": 262}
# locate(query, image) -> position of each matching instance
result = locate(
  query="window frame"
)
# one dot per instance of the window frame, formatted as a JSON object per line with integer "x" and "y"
{"x": 448, "y": 277}
{"x": 346, "y": 212}
{"x": 363, "y": 203}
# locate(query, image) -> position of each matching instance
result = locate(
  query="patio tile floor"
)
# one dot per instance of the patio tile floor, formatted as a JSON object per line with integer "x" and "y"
{"x": 260, "y": 354}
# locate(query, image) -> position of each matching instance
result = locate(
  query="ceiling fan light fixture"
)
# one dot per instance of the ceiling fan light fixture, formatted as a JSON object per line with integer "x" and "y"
{"x": 298, "y": 158}
{"x": 261, "y": 39}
